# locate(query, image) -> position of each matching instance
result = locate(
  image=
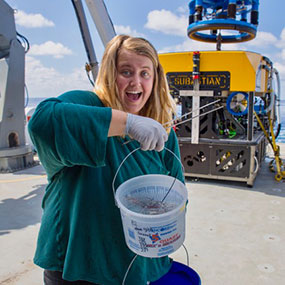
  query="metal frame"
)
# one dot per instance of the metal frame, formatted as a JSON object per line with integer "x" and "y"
{"x": 223, "y": 159}
{"x": 215, "y": 158}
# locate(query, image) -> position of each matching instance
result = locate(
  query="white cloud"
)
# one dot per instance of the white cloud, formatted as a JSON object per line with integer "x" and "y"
{"x": 32, "y": 20}
{"x": 57, "y": 50}
{"x": 263, "y": 39}
{"x": 166, "y": 22}
{"x": 280, "y": 67}
{"x": 44, "y": 81}
{"x": 281, "y": 42}
{"x": 126, "y": 30}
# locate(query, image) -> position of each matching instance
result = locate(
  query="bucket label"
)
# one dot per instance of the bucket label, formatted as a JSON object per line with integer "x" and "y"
{"x": 161, "y": 239}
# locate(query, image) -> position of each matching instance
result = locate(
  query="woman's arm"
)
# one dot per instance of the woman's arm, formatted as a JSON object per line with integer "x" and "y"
{"x": 68, "y": 134}
{"x": 118, "y": 123}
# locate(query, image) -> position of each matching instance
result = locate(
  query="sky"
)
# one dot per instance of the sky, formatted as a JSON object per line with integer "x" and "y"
{"x": 56, "y": 59}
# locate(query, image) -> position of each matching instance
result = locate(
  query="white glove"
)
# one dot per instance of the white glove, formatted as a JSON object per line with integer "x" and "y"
{"x": 149, "y": 133}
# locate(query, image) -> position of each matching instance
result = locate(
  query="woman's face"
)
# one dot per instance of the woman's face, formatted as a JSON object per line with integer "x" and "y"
{"x": 135, "y": 75}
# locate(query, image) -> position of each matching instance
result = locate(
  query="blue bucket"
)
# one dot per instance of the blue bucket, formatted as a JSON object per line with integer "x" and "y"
{"x": 179, "y": 274}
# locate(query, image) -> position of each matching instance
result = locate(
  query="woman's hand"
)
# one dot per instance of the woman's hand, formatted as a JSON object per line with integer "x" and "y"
{"x": 149, "y": 133}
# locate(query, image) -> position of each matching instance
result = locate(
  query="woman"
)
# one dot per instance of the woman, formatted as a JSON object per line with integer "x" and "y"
{"x": 81, "y": 140}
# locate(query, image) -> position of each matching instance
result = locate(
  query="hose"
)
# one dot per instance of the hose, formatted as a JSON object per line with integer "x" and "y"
{"x": 277, "y": 102}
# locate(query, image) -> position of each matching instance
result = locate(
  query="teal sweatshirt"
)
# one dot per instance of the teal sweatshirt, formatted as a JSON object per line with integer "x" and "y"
{"x": 81, "y": 232}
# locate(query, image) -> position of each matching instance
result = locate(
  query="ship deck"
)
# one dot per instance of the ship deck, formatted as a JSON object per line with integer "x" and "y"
{"x": 234, "y": 234}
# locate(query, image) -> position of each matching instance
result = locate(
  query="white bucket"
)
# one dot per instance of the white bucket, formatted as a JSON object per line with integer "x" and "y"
{"x": 153, "y": 235}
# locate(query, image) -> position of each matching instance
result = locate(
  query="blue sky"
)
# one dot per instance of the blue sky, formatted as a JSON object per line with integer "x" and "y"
{"x": 55, "y": 62}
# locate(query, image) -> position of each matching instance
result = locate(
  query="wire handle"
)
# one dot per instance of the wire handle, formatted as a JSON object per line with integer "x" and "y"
{"x": 116, "y": 174}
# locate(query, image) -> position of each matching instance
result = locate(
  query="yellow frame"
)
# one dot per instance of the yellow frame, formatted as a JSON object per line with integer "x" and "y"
{"x": 242, "y": 65}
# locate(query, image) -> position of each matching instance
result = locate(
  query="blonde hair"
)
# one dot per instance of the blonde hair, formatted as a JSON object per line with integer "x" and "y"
{"x": 160, "y": 105}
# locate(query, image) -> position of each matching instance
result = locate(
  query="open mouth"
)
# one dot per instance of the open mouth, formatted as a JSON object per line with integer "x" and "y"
{"x": 133, "y": 95}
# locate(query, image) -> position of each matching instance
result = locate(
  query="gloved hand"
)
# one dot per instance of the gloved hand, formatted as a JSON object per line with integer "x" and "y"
{"x": 149, "y": 133}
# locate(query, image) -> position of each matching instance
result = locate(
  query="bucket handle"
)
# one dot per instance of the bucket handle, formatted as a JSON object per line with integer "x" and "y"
{"x": 134, "y": 150}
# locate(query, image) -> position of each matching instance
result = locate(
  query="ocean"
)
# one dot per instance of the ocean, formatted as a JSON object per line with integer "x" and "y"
{"x": 281, "y": 137}
{"x": 32, "y": 102}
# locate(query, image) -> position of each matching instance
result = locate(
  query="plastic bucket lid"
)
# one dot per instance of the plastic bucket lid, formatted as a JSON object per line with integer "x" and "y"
{"x": 179, "y": 274}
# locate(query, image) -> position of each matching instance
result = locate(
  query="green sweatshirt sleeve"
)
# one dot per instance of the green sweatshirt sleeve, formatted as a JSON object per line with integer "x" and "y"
{"x": 67, "y": 134}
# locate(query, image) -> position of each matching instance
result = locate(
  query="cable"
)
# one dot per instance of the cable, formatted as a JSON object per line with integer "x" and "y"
{"x": 88, "y": 68}
{"x": 25, "y": 41}
{"x": 89, "y": 78}
{"x": 129, "y": 267}
{"x": 27, "y": 98}
{"x": 187, "y": 255}
{"x": 277, "y": 102}
{"x": 169, "y": 190}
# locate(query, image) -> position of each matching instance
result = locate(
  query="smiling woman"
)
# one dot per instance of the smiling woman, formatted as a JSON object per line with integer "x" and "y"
{"x": 80, "y": 138}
